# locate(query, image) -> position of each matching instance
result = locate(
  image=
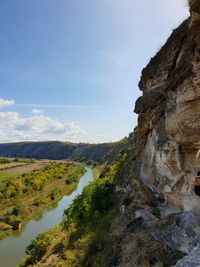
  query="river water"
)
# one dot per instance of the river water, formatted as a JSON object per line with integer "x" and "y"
{"x": 12, "y": 248}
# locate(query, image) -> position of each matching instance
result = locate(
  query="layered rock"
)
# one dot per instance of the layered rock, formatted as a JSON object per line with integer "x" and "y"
{"x": 167, "y": 139}
{"x": 159, "y": 221}
{"x": 195, "y": 11}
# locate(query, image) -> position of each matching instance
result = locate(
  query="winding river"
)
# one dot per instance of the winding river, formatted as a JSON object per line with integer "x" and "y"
{"x": 12, "y": 249}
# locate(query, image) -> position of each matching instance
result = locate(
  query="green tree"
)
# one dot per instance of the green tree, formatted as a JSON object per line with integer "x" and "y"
{"x": 17, "y": 210}
{"x": 39, "y": 246}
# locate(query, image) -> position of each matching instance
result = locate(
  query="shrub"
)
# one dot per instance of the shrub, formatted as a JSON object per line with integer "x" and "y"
{"x": 17, "y": 210}
{"x": 39, "y": 246}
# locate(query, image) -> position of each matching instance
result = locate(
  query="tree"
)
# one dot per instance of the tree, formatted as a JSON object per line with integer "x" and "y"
{"x": 17, "y": 210}
{"x": 39, "y": 246}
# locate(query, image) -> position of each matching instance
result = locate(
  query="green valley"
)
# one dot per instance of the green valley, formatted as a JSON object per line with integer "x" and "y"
{"x": 28, "y": 188}
{"x": 82, "y": 238}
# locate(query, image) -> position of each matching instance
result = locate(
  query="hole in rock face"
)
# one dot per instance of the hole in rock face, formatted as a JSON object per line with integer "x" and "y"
{"x": 197, "y": 190}
{"x": 153, "y": 261}
{"x": 197, "y": 184}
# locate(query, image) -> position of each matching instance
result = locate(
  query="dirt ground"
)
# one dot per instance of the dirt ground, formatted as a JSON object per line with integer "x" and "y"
{"x": 24, "y": 168}
{"x": 12, "y": 165}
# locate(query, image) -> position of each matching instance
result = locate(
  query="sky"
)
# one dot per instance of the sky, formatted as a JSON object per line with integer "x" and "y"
{"x": 69, "y": 69}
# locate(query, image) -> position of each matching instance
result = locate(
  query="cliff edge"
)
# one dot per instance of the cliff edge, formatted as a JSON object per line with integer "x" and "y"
{"x": 167, "y": 137}
{"x": 160, "y": 209}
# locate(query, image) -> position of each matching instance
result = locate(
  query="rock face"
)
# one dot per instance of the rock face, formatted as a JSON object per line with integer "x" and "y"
{"x": 167, "y": 139}
{"x": 191, "y": 260}
{"x": 159, "y": 203}
{"x": 195, "y": 11}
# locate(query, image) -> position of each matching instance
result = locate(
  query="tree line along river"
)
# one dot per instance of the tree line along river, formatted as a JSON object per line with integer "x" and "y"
{"x": 12, "y": 249}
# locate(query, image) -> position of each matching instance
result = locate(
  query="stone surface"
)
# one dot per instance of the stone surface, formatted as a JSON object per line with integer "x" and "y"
{"x": 160, "y": 222}
{"x": 167, "y": 138}
{"x": 192, "y": 260}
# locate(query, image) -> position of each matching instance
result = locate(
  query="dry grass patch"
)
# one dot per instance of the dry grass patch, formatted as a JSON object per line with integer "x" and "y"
{"x": 26, "y": 168}
{"x": 11, "y": 165}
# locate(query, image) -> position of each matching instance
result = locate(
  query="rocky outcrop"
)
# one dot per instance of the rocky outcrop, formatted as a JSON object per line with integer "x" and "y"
{"x": 168, "y": 132}
{"x": 191, "y": 260}
{"x": 195, "y": 12}
{"x": 165, "y": 158}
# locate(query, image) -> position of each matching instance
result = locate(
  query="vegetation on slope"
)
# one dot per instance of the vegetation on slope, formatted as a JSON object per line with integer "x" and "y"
{"x": 27, "y": 195}
{"x": 82, "y": 238}
{"x": 5, "y": 160}
{"x": 63, "y": 150}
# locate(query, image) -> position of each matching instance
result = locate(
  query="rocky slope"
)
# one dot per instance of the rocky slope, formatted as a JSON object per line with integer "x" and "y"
{"x": 160, "y": 212}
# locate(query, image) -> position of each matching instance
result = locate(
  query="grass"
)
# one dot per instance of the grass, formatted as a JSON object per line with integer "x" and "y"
{"x": 15, "y": 169}
{"x": 26, "y": 168}
{"x": 95, "y": 173}
{"x": 6, "y": 175}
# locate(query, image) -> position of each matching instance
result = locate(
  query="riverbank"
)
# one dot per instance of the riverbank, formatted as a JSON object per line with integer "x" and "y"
{"x": 28, "y": 206}
{"x": 83, "y": 237}
{"x": 15, "y": 245}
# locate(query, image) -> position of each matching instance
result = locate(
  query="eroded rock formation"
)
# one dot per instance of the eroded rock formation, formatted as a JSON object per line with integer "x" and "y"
{"x": 160, "y": 222}
{"x": 168, "y": 132}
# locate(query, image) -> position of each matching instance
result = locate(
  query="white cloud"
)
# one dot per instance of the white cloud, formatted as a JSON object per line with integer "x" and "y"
{"x": 9, "y": 119}
{"x": 4, "y": 137}
{"x": 97, "y": 138}
{"x": 6, "y": 102}
{"x": 100, "y": 138}
{"x": 37, "y": 111}
{"x": 14, "y": 127}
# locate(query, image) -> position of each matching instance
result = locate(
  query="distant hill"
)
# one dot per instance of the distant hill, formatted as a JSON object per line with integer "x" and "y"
{"x": 63, "y": 150}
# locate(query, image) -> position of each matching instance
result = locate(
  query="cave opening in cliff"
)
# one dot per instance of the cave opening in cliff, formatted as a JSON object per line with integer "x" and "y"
{"x": 197, "y": 190}
{"x": 197, "y": 184}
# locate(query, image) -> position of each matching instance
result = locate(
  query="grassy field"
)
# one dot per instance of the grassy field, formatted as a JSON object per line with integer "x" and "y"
{"x": 15, "y": 169}
{"x": 11, "y": 165}
{"x": 6, "y": 175}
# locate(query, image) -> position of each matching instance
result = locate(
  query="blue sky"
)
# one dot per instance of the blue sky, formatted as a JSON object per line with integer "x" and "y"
{"x": 72, "y": 67}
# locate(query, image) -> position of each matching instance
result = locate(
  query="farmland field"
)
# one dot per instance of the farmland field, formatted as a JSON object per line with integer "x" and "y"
{"x": 12, "y": 165}
{"x": 15, "y": 169}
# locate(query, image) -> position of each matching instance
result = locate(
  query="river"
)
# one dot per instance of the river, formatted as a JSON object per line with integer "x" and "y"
{"x": 12, "y": 248}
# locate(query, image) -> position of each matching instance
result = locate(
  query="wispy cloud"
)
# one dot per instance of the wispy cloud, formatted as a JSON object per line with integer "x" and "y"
{"x": 6, "y": 102}
{"x": 57, "y": 106}
{"x": 37, "y": 111}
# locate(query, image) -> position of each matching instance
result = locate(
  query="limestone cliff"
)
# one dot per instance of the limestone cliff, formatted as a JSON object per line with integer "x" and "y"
{"x": 168, "y": 132}
{"x": 160, "y": 213}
